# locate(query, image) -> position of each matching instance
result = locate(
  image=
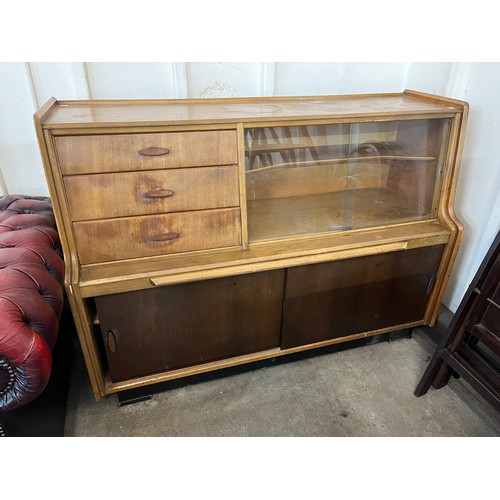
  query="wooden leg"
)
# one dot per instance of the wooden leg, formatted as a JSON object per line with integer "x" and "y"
{"x": 442, "y": 377}
{"x": 435, "y": 365}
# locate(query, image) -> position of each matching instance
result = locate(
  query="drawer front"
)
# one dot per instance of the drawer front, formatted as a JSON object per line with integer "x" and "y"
{"x": 144, "y": 236}
{"x": 103, "y": 196}
{"x": 126, "y": 152}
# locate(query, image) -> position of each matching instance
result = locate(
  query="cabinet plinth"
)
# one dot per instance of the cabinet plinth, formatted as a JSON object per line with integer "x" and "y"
{"x": 206, "y": 233}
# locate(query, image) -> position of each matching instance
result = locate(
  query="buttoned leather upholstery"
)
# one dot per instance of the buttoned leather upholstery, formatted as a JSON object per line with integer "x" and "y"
{"x": 31, "y": 297}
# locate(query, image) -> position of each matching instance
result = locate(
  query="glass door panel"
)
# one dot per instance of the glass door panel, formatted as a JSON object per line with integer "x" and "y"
{"x": 394, "y": 171}
{"x": 319, "y": 178}
{"x": 296, "y": 179}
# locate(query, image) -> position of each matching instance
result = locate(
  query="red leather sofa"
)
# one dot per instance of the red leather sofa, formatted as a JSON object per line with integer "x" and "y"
{"x": 31, "y": 297}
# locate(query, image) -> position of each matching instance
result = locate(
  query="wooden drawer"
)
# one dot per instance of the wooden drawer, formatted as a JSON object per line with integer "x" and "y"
{"x": 125, "y": 152}
{"x": 143, "y": 236}
{"x": 103, "y": 196}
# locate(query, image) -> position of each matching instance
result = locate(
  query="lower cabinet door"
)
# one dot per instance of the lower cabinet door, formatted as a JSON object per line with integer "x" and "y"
{"x": 342, "y": 298}
{"x": 157, "y": 330}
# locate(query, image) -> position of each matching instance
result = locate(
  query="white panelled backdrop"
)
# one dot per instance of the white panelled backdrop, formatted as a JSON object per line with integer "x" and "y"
{"x": 26, "y": 86}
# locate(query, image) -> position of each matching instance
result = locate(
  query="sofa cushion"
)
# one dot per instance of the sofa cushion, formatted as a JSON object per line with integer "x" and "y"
{"x": 31, "y": 297}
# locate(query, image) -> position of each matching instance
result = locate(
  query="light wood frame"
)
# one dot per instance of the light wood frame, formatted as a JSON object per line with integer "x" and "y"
{"x": 83, "y": 282}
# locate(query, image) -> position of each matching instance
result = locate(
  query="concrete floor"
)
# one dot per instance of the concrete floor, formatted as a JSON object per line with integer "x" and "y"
{"x": 366, "y": 391}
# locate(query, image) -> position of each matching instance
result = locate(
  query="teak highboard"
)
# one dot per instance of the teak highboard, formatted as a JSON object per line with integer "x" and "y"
{"x": 206, "y": 233}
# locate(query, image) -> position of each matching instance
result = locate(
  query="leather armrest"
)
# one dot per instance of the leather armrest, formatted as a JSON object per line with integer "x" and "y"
{"x": 31, "y": 297}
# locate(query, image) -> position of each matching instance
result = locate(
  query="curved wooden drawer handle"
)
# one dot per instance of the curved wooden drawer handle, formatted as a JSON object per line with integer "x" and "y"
{"x": 154, "y": 151}
{"x": 159, "y": 193}
{"x": 171, "y": 235}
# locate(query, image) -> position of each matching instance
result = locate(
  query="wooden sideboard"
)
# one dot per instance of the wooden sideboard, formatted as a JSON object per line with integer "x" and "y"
{"x": 206, "y": 233}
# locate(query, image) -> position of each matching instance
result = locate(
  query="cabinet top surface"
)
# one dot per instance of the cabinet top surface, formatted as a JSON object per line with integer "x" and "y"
{"x": 234, "y": 110}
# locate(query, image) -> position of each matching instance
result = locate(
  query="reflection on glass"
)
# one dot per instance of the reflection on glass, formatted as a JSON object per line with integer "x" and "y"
{"x": 318, "y": 178}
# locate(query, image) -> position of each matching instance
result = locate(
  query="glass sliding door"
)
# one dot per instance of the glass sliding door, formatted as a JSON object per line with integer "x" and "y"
{"x": 336, "y": 177}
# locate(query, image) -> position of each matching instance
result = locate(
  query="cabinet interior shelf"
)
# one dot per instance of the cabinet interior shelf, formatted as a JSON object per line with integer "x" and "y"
{"x": 352, "y": 160}
{"x": 321, "y": 212}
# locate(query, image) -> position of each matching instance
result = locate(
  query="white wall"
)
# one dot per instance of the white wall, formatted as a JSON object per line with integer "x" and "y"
{"x": 25, "y": 86}
{"x": 477, "y": 199}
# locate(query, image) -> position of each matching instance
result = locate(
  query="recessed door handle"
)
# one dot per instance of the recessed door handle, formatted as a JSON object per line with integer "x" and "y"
{"x": 111, "y": 340}
{"x": 430, "y": 284}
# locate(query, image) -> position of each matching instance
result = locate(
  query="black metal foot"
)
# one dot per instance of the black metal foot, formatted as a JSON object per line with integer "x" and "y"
{"x": 128, "y": 399}
{"x": 400, "y": 335}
